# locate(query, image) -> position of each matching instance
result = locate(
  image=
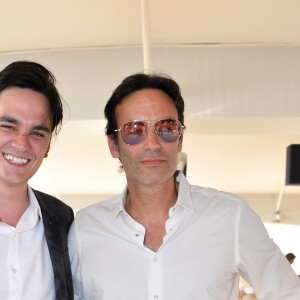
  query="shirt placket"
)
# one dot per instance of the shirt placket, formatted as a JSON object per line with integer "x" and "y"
{"x": 14, "y": 267}
{"x": 155, "y": 284}
{"x": 155, "y": 278}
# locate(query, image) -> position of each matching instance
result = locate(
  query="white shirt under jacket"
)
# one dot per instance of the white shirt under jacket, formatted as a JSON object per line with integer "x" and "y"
{"x": 211, "y": 238}
{"x": 26, "y": 271}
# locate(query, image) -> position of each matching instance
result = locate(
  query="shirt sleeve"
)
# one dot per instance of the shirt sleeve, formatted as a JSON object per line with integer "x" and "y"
{"x": 261, "y": 262}
{"x": 74, "y": 249}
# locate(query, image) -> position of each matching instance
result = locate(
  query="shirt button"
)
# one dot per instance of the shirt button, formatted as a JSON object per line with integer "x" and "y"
{"x": 155, "y": 297}
{"x": 14, "y": 270}
{"x": 156, "y": 259}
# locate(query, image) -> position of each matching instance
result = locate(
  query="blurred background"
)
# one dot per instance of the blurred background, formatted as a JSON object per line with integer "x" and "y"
{"x": 237, "y": 62}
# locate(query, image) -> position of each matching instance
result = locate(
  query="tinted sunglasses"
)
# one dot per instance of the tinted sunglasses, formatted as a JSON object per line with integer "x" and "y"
{"x": 133, "y": 132}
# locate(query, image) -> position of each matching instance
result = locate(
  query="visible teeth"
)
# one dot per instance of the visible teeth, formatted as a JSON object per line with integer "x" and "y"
{"x": 16, "y": 160}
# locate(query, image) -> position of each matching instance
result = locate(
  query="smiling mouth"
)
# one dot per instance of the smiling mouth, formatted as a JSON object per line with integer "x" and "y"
{"x": 16, "y": 160}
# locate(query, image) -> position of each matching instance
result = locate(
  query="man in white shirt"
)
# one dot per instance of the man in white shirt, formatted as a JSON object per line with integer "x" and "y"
{"x": 33, "y": 226}
{"x": 163, "y": 238}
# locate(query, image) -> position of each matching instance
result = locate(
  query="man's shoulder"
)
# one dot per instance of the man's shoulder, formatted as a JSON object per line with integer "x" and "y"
{"x": 49, "y": 200}
{"x": 209, "y": 194}
{"x": 105, "y": 204}
{"x": 53, "y": 207}
{"x": 216, "y": 196}
{"x": 107, "y": 207}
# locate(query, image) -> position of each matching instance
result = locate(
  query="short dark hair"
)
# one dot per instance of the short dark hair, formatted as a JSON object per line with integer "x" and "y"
{"x": 138, "y": 82}
{"x": 31, "y": 75}
{"x": 290, "y": 256}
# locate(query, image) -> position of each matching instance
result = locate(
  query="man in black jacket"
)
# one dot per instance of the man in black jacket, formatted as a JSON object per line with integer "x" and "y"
{"x": 33, "y": 226}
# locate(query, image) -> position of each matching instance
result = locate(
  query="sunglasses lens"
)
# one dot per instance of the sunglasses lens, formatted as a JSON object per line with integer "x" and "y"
{"x": 133, "y": 132}
{"x": 168, "y": 130}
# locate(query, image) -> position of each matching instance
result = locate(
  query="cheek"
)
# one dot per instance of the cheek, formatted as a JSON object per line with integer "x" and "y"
{"x": 41, "y": 149}
{"x": 176, "y": 147}
{"x": 129, "y": 158}
{"x": 5, "y": 137}
{"x": 124, "y": 155}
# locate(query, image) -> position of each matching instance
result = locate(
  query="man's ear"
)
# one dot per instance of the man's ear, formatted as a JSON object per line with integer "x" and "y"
{"x": 180, "y": 143}
{"x": 113, "y": 146}
{"x": 46, "y": 154}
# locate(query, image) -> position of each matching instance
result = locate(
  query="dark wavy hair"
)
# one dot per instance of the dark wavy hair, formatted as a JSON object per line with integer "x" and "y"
{"x": 31, "y": 75}
{"x": 138, "y": 82}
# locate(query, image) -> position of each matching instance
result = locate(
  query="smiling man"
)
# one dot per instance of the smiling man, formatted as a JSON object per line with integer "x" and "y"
{"x": 33, "y": 226}
{"x": 164, "y": 238}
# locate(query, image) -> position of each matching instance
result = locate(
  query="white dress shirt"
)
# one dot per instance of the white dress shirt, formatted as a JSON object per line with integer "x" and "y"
{"x": 26, "y": 271}
{"x": 211, "y": 238}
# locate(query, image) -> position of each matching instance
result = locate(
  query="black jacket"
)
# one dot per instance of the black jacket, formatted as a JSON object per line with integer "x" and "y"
{"x": 57, "y": 219}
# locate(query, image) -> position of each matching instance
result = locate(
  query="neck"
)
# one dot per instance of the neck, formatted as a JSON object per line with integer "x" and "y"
{"x": 150, "y": 207}
{"x": 13, "y": 203}
{"x": 151, "y": 202}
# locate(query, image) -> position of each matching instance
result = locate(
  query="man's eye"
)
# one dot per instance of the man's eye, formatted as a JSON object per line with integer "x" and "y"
{"x": 136, "y": 131}
{"x": 5, "y": 126}
{"x": 38, "y": 134}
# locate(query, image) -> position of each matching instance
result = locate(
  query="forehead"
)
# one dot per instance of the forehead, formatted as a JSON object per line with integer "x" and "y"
{"x": 146, "y": 104}
{"x": 24, "y": 104}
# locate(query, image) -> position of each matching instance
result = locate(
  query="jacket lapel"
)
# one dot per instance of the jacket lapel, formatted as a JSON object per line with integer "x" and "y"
{"x": 56, "y": 237}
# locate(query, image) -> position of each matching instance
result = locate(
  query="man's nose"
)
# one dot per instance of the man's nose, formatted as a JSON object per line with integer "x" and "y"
{"x": 21, "y": 141}
{"x": 152, "y": 141}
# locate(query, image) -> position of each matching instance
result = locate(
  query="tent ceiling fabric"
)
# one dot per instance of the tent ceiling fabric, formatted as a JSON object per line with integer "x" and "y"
{"x": 43, "y": 25}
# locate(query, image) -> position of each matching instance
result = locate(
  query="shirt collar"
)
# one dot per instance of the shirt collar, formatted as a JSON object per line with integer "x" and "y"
{"x": 32, "y": 214}
{"x": 121, "y": 206}
{"x": 184, "y": 195}
{"x": 183, "y": 199}
{"x": 34, "y": 202}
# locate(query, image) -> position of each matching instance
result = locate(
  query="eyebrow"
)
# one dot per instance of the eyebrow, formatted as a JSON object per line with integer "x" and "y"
{"x": 9, "y": 119}
{"x": 16, "y": 122}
